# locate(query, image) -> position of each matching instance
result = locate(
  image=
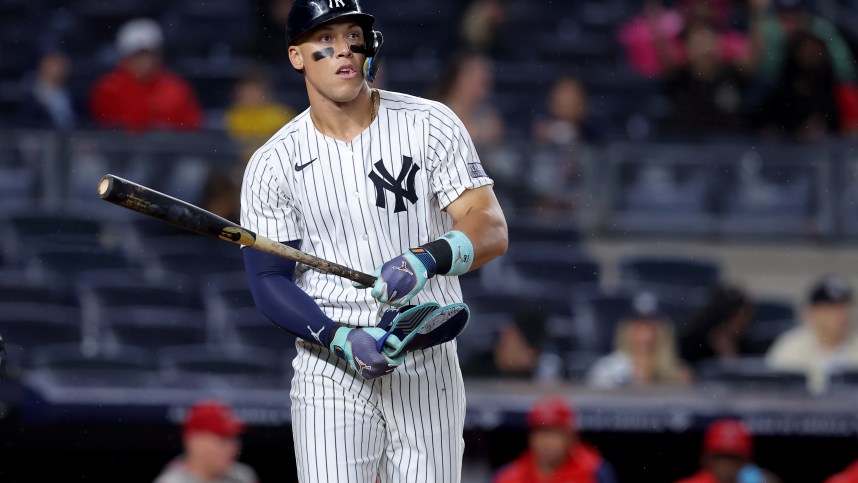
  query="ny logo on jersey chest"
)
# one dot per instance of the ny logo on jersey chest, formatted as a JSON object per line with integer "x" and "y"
{"x": 402, "y": 186}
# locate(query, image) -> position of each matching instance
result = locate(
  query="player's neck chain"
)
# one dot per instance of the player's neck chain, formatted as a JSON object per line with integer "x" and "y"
{"x": 375, "y": 101}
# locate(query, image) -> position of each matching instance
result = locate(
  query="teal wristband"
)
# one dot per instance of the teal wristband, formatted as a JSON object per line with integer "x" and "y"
{"x": 463, "y": 252}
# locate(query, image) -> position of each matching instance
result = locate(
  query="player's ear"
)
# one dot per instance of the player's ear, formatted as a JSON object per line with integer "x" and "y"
{"x": 296, "y": 58}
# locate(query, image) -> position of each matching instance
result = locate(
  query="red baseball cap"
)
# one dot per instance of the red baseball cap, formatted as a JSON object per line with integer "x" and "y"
{"x": 551, "y": 413}
{"x": 212, "y": 417}
{"x": 728, "y": 436}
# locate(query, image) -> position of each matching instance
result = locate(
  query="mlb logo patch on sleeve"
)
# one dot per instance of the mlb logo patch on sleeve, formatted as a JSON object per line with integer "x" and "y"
{"x": 475, "y": 170}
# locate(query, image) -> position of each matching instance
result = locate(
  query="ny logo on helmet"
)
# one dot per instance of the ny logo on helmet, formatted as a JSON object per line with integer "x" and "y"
{"x": 336, "y": 3}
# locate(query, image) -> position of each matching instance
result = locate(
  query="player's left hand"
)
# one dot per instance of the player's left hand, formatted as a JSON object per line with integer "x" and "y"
{"x": 419, "y": 327}
{"x": 364, "y": 350}
{"x": 400, "y": 279}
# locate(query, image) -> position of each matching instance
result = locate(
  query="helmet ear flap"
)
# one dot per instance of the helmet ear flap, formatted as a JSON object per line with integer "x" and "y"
{"x": 373, "y": 56}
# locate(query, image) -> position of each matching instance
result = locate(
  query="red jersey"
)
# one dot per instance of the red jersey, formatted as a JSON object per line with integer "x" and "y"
{"x": 163, "y": 101}
{"x": 581, "y": 466}
{"x": 849, "y": 475}
{"x": 702, "y": 476}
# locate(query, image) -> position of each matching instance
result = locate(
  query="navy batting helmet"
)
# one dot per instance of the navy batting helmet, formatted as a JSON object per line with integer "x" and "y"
{"x": 306, "y": 15}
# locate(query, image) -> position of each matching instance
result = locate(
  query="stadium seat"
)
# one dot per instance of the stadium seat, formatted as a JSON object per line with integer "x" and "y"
{"x": 233, "y": 365}
{"x": 68, "y": 263}
{"x": 749, "y": 373}
{"x": 771, "y": 319}
{"x": 528, "y": 232}
{"x": 547, "y": 267}
{"x": 34, "y": 324}
{"x": 71, "y": 358}
{"x": 16, "y": 287}
{"x": 578, "y": 363}
{"x": 771, "y": 191}
{"x": 29, "y": 233}
{"x": 153, "y": 327}
{"x": 684, "y": 280}
{"x": 481, "y": 334}
{"x": 200, "y": 258}
{"x": 597, "y": 317}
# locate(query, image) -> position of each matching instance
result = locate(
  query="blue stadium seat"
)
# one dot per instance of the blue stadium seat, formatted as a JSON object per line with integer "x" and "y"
{"x": 771, "y": 319}
{"x": 65, "y": 264}
{"x": 249, "y": 327}
{"x": 27, "y": 233}
{"x": 233, "y": 365}
{"x": 35, "y": 324}
{"x": 578, "y": 363}
{"x": 664, "y": 189}
{"x": 772, "y": 190}
{"x": 198, "y": 257}
{"x": 71, "y": 359}
{"x": 749, "y": 373}
{"x": 530, "y": 231}
{"x": 153, "y": 327}
{"x": 597, "y": 317}
{"x": 481, "y": 334}
{"x": 552, "y": 268}
{"x": 16, "y": 287}
{"x": 669, "y": 273}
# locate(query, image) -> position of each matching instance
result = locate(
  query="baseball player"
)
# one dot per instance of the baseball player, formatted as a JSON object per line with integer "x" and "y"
{"x": 383, "y": 182}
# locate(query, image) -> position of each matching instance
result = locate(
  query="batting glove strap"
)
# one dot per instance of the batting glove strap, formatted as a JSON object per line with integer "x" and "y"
{"x": 453, "y": 253}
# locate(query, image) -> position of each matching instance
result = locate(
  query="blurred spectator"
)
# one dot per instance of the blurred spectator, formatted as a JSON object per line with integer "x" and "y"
{"x": 47, "y": 102}
{"x": 140, "y": 93}
{"x": 848, "y": 475}
{"x": 569, "y": 120}
{"x": 211, "y": 439}
{"x": 826, "y": 343}
{"x": 727, "y": 452}
{"x": 221, "y": 196}
{"x": 466, "y": 86}
{"x": 706, "y": 93}
{"x": 644, "y": 351}
{"x": 809, "y": 103}
{"x": 653, "y": 42}
{"x": 255, "y": 115}
{"x": 516, "y": 352}
{"x": 718, "y": 329}
{"x": 774, "y": 28}
{"x": 271, "y": 29}
{"x": 481, "y": 23}
{"x": 556, "y": 452}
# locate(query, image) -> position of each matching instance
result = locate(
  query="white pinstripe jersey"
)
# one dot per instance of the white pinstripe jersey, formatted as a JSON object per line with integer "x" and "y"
{"x": 363, "y": 202}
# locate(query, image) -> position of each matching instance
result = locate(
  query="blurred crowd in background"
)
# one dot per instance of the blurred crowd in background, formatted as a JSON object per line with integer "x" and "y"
{"x": 556, "y": 76}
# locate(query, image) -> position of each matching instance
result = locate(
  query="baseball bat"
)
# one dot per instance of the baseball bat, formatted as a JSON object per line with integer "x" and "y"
{"x": 147, "y": 201}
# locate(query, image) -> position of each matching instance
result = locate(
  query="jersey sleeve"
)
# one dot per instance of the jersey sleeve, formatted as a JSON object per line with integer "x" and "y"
{"x": 267, "y": 206}
{"x": 454, "y": 163}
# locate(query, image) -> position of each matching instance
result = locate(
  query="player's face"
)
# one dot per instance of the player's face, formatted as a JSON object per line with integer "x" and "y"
{"x": 831, "y": 321}
{"x": 550, "y": 446}
{"x": 330, "y": 66}
{"x": 216, "y": 453}
{"x": 725, "y": 468}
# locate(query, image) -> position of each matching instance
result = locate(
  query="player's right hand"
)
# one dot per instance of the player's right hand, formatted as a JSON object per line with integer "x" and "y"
{"x": 398, "y": 280}
{"x": 363, "y": 348}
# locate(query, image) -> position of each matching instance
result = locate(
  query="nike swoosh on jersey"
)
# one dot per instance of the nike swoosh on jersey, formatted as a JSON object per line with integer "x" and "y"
{"x": 299, "y": 167}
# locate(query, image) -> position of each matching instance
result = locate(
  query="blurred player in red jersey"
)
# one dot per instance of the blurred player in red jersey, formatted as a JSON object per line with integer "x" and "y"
{"x": 210, "y": 436}
{"x": 727, "y": 450}
{"x": 556, "y": 453}
{"x": 141, "y": 94}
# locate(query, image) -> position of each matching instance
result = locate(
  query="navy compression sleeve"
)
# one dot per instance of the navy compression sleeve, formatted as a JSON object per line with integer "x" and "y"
{"x": 276, "y": 295}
